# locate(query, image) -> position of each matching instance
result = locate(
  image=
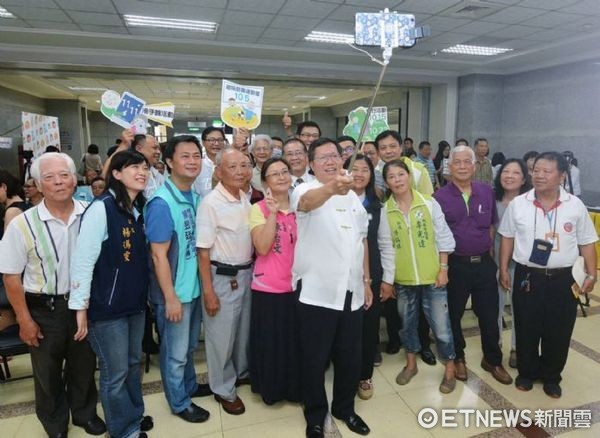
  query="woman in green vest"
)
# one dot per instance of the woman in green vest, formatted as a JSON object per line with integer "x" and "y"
{"x": 422, "y": 241}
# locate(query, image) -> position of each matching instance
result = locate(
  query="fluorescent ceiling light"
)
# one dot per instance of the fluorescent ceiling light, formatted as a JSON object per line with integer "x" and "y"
{"x": 5, "y": 14}
{"x": 88, "y": 88}
{"x": 462, "y": 49}
{"x": 329, "y": 37}
{"x": 171, "y": 23}
{"x": 307, "y": 96}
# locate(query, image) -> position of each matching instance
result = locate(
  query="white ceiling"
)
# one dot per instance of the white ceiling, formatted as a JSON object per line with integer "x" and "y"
{"x": 58, "y": 43}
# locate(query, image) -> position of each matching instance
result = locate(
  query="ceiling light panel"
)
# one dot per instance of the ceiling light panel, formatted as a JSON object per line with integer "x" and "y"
{"x": 170, "y": 23}
{"x": 5, "y": 14}
{"x": 329, "y": 37}
{"x": 77, "y": 88}
{"x": 463, "y": 49}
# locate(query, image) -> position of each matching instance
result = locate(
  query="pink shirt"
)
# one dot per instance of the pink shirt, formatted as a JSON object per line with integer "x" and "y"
{"x": 273, "y": 272}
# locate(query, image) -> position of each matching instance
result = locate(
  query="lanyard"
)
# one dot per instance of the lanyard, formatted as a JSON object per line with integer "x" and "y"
{"x": 549, "y": 220}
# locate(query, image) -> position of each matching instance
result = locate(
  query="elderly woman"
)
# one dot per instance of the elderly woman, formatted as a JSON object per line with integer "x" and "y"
{"x": 274, "y": 351}
{"x": 261, "y": 150}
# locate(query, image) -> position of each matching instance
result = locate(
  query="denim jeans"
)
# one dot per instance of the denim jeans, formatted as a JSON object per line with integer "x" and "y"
{"x": 435, "y": 306}
{"x": 118, "y": 346}
{"x": 178, "y": 341}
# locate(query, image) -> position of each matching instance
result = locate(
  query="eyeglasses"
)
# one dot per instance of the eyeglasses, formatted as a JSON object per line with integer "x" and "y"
{"x": 325, "y": 158}
{"x": 260, "y": 150}
{"x": 349, "y": 150}
{"x": 283, "y": 172}
{"x": 309, "y": 135}
{"x": 215, "y": 140}
{"x": 28, "y": 186}
{"x": 294, "y": 154}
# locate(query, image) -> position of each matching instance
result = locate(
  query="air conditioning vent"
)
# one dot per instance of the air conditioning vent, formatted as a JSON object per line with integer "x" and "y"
{"x": 472, "y": 9}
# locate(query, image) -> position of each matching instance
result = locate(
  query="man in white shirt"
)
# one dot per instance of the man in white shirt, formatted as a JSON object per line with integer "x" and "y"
{"x": 36, "y": 252}
{"x": 545, "y": 230}
{"x": 295, "y": 153}
{"x": 331, "y": 273}
{"x": 213, "y": 140}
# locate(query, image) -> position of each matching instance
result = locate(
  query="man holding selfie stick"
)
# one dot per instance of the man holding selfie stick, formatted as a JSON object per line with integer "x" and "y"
{"x": 545, "y": 230}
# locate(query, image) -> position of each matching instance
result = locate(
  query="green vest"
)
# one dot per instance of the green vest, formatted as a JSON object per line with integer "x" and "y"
{"x": 183, "y": 213}
{"x": 417, "y": 257}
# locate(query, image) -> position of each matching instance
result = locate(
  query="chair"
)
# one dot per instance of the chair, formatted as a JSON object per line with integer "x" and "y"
{"x": 10, "y": 345}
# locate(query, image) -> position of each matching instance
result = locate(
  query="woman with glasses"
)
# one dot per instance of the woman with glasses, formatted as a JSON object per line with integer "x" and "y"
{"x": 422, "y": 241}
{"x": 381, "y": 266}
{"x": 273, "y": 346}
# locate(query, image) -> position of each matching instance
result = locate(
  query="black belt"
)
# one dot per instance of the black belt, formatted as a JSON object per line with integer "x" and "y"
{"x": 44, "y": 300}
{"x": 225, "y": 265}
{"x": 548, "y": 272}
{"x": 470, "y": 259}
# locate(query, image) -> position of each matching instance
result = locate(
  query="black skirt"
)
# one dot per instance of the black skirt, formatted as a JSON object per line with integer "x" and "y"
{"x": 274, "y": 350}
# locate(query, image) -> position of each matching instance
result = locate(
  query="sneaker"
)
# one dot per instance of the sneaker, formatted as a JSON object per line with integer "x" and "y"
{"x": 406, "y": 376}
{"x": 512, "y": 361}
{"x": 378, "y": 359}
{"x": 447, "y": 385}
{"x": 365, "y": 389}
{"x": 552, "y": 390}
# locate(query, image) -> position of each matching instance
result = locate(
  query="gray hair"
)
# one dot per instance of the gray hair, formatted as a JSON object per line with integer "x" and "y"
{"x": 458, "y": 149}
{"x": 260, "y": 137}
{"x": 219, "y": 156}
{"x": 37, "y": 164}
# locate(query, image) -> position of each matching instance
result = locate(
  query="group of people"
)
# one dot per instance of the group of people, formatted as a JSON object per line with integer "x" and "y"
{"x": 287, "y": 260}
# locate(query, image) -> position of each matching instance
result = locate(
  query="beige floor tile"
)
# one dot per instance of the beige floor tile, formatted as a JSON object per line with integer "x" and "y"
{"x": 428, "y": 376}
{"x": 593, "y": 431}
{"x": 586, "y": 332}
{"x": 10, "y": 426}
{"x": 289, "y": 427}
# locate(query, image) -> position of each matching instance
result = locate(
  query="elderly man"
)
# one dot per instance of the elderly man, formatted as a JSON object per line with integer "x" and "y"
{"x": 148, "y": 146}
{"x": 174, "y": 286}
{"x": 545, "y": 230}
{"x": 331, "y": 273}
{"x": 35, "y": 264}
{"x": 225, "y": 261}
{"x": 470, "y": 210}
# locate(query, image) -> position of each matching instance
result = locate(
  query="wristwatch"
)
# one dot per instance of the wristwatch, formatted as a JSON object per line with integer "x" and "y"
{"x": 367, "y": 280}
{"x": 591, "y": 277}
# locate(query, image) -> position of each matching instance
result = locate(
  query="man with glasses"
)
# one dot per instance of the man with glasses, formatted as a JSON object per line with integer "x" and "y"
{"x": 331, "y": 274}
{"x": 213, "y": 140}
{"x": 294, "y": 152}
{"x": 348, "y": 144}
{"x": 307, "y": 132}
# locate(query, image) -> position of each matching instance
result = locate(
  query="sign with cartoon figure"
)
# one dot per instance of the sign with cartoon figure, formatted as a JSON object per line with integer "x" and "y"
{"x": 241, "y": 105}
{"x": 378, "y": 122}
{"x": 131, "y": 112}
{"x": 39, "y": 132}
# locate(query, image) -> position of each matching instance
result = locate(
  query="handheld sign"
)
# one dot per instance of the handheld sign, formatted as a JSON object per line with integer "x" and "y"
{"x": 241, "y": 105}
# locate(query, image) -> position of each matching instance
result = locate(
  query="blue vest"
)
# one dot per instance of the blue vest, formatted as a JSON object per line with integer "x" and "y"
{"x": 120, "y": 279}
{"x": 182, "y": 251}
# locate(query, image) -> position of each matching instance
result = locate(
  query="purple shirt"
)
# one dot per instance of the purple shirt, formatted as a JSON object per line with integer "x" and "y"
{"x": 471, "y": 228}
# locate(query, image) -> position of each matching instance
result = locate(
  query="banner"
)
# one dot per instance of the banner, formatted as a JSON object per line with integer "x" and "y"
{"x": 378, "y": 122}
{"x": 241, "y": 105}
{"x": 161, "y": 113}
{"x": 39, "y": 131}
{"x": 5, "y": 142}
{"x": 131, "y": 112}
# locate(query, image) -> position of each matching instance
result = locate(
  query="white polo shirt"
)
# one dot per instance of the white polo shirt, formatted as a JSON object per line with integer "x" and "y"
{"x": 329, "y": 253}
{"x": 40, "y": 246}
{"x": 573, "y": 227}
{"x": 203, "y": 183}
{"x": 223, "y": 226}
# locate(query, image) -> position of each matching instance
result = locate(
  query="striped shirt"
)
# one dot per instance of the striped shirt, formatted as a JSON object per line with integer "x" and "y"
{"x": 40, "y": 246}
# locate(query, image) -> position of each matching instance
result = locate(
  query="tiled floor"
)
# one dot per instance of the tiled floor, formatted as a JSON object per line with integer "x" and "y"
{"x": 392, "y": 412}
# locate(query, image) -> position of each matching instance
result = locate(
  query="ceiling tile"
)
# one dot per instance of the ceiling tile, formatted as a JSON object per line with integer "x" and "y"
{"x": 487, "y": 41}
{"x": 379, "y": 4}
{"x": 480, "y": 27}
{"x": 335, "y": 26}
{"x": 513, "y": 15}
{"x": 39, "y": 14}
{"x": 586, "y": 7}
{"x": 14, "y": 23}
{"x": 88, "y": 6}
{"x": 451, "y": 38}
{"x": 519, "y": 44}
{"x": 240, "y": 30}
{"x": 546, "y": 36}
{"x": 294, "y": 35}
{"x": 162, "y": 10}
{"x": 247, "y": 18}
{"x": 32, "y": 3}
{"x": 236, "y": 39}
{"x": 202, "y": 3}
{"x": 104, "y": 29}
{"x": 95, "y": 18}
{"x": 57, "y": 25}
{"x": 547, "y": 4}
{"x": 428, "y": 7}
{"x": 307, "y": 8}
{"x": 289, "y": 22}
{"x": 551, "y": 19}
{"x": 516, "y": 31}
{"x": 276, "y": 42}
{"x": 445, "y": 23}
{"x": 269, "y": 6}
{"x": 348, "y": 13}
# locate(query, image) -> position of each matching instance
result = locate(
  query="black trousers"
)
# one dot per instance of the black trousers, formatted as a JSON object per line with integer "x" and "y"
{"x": 477, "y": 280}
{"x": 370, "y": 334}
{"x": 55, "y": 395}
{"x": 544, "y": 317}
{"x": 393, "y": 323}
{"x": 326, "y": 333}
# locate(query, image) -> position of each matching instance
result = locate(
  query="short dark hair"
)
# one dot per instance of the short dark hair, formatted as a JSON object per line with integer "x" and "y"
{"x": 480, "y": 139}
{"x": 93, "y": 149}
{"x": 174, "y": 142}
{"x": 461, "y": 140}
{"x": 321, "y": 142}
{"x": 13, "y": 185}
{"x": 98, "y": 178}
{"x": 423, "y": 144}
{"x": 268, "y": 163}
{"x": 277, "y": 138}
{"x": 530, "y": 154}
{"x": 137, "y": 139}
{"x": 51, "y": 149}
{"x": 118, "y": 141}
{"x": 498, "y": 158}
{"x": 119, "y": 161}
{"x": 389, "y": 133}
{"x": 561, "y": 162}
{"x": 294, "y": 140}
{"x": 307, "y": 123}
{"x": 409, "y": 139}
{"x": 346, "y": 138}
{"x": 210, "y": 129}
{"x": 499, "y": 190}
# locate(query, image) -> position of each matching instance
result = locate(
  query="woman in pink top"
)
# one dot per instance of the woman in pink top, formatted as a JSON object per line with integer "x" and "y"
{"x": 274, "y": 357}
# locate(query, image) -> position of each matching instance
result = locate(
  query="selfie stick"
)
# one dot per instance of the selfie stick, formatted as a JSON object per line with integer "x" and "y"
{"x": 388, "y": 46}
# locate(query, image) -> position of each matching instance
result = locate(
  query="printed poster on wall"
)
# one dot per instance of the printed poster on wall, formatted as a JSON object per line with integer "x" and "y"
{"x": 39, "y": 131}
{"x": 5, "y": 142}
{"x": 378, "y": 122}
{"x": 241, "y": 105}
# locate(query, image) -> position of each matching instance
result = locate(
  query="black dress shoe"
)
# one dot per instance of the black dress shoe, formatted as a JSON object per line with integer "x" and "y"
{"x": 314, "y": 432}
{"x": 428, "y": 356}
{"x": 147, "y": 423}
{"x": 64, "y": 435}
{"x": 194, "y": 414}
{"x": 203, "y": 390}
{"x": 356, "y": 424}
{"x": 95, "y": 426}
{"x": 392, "y": 347}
